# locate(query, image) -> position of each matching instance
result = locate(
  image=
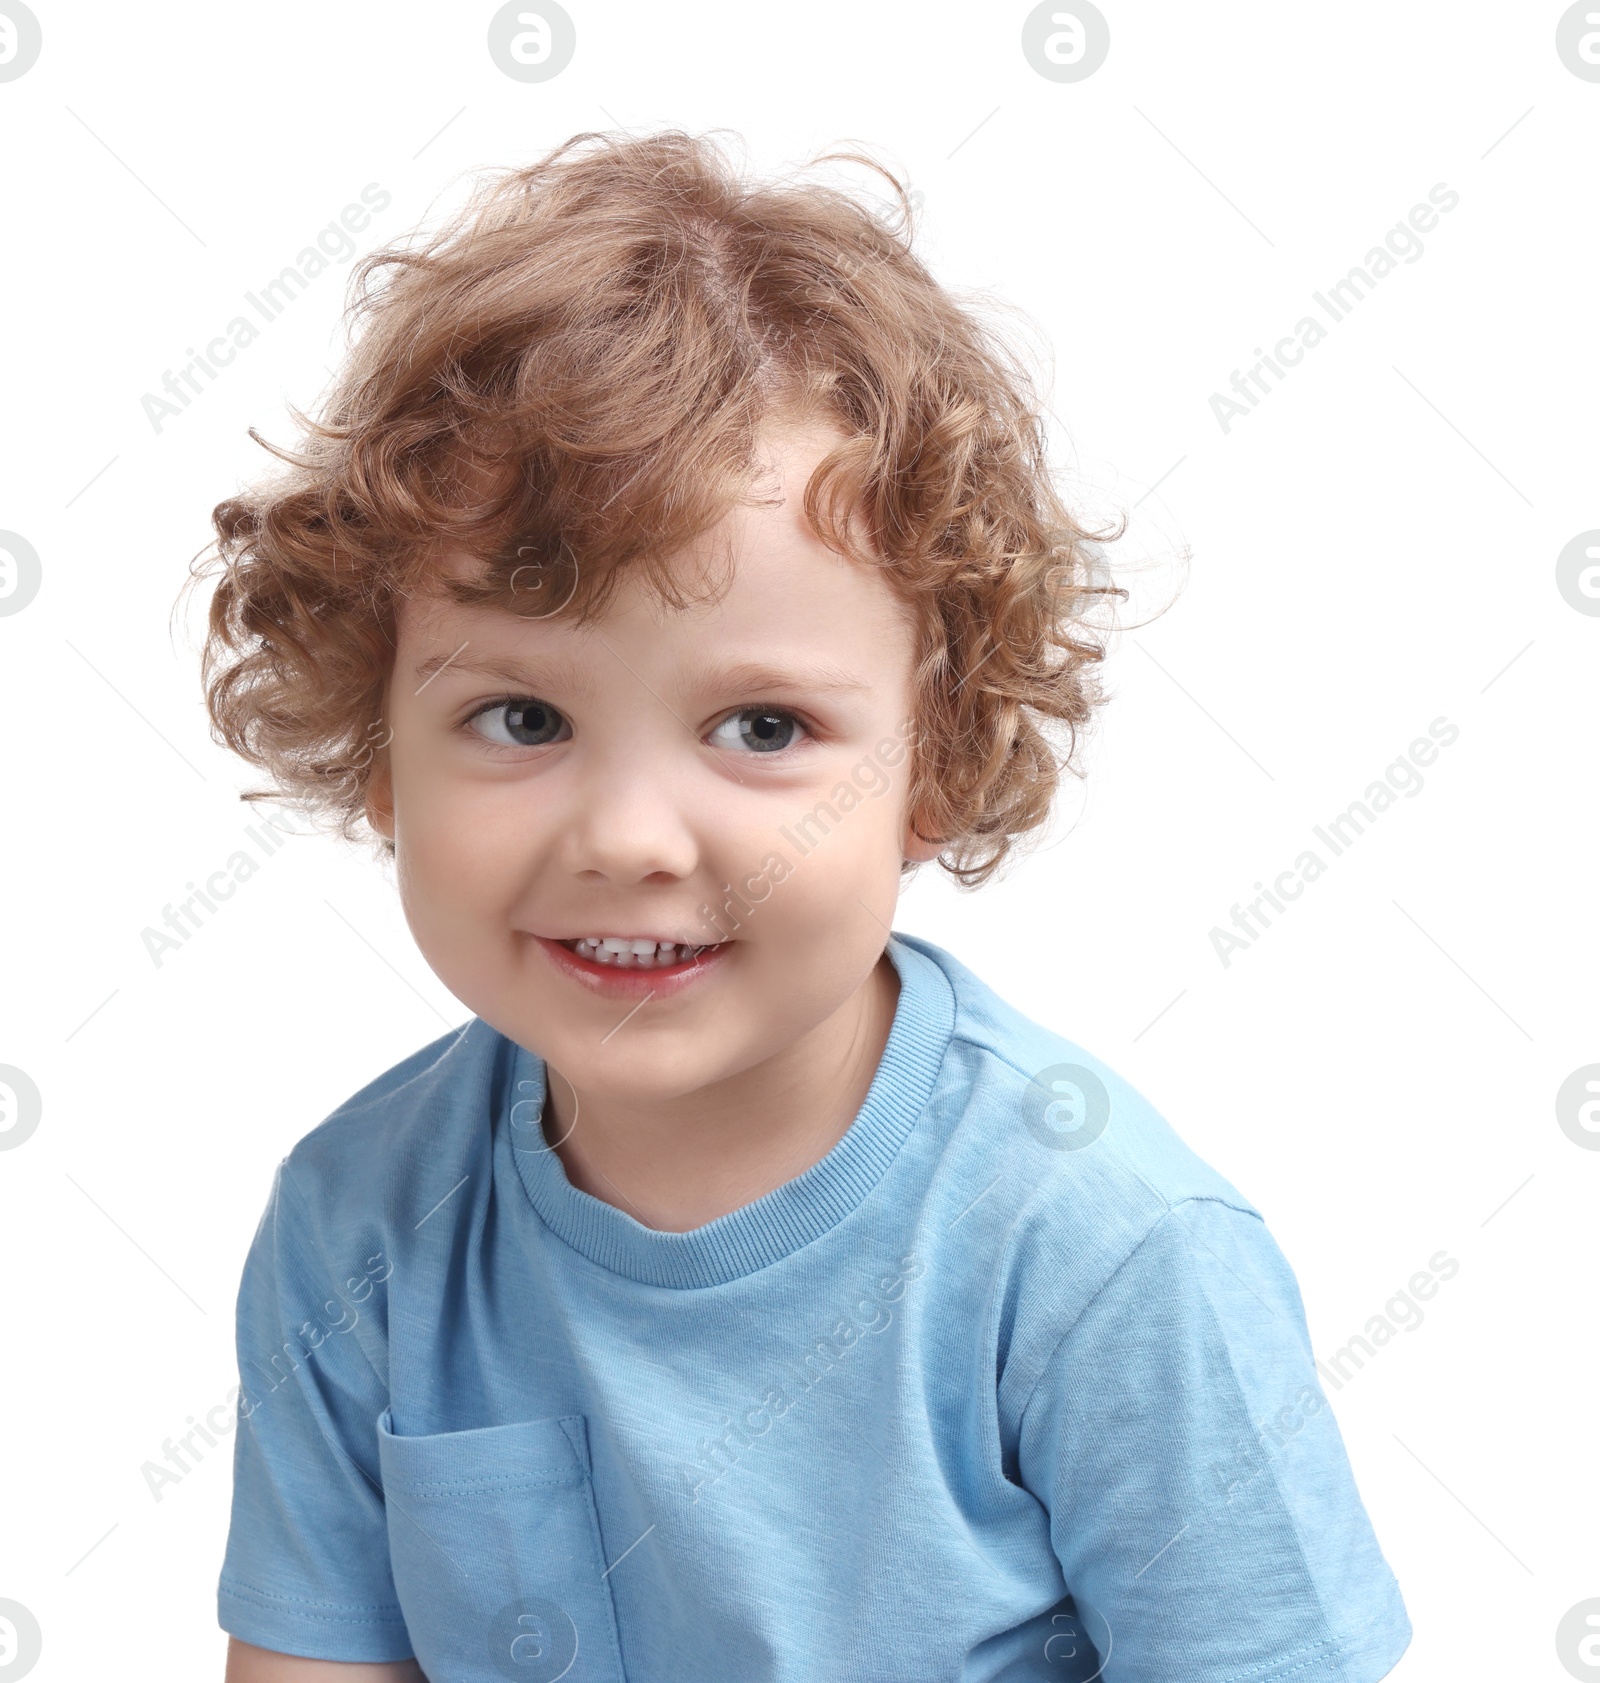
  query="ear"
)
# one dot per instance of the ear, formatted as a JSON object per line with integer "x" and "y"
{"x": 380, "y": 799}
{"x": 914, "y": 848}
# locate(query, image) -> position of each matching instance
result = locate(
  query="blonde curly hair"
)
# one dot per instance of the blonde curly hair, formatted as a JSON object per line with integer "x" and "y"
{"x": 566, "y": 382}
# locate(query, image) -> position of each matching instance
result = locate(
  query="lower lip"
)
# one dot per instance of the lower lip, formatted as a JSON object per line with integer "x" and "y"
{"x": 618, "y": 983}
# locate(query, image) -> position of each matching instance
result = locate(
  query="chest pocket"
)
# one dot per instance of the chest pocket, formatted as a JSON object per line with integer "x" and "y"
{"x": 496, "y": 1551}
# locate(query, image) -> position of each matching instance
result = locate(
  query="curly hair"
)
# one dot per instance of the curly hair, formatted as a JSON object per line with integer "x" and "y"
{"x": 566, "y": 382}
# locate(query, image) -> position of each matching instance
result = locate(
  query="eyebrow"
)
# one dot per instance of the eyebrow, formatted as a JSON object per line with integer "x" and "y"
{"x": 568, "y": 673}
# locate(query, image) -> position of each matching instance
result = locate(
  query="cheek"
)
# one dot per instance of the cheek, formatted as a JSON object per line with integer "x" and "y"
{"x": 804, "y": 877}
{"x": 458, "y": 854}
{"x": 460, "y": 893}
{"x": 847, "y": 845}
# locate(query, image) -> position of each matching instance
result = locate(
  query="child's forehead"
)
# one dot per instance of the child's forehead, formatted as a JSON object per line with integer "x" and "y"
{"x": 769, "y": 593}
{"x": 762, "y": 564}
{"x": 831, "y": 658}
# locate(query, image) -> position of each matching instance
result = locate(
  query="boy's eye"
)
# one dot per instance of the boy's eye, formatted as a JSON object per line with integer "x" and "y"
{"x": 771, "y": 729}
{"x": 526, "y": 722}
{"x": 522, "y": 722}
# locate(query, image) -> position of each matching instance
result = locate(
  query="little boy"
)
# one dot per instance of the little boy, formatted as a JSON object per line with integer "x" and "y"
{"x": 747, "y": 1293}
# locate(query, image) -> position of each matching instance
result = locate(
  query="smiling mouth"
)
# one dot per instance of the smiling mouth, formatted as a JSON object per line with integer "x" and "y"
{"x": 613, "y": 953}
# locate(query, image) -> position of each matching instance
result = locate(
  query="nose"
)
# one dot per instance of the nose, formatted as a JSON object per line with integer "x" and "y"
{"x": 629, "y": 822}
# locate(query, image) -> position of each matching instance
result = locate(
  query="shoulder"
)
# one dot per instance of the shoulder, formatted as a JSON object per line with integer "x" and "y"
{"x": 1074, "y": 1170}
{"x": 405, "y": 1134}
{"x": 1070, "y": 1124}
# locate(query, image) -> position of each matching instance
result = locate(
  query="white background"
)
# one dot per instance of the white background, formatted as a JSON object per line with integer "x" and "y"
{"x": 1373, "y": 548}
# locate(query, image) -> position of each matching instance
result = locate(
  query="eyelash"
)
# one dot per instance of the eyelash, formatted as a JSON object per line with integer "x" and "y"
{"x": 732, "y": 713}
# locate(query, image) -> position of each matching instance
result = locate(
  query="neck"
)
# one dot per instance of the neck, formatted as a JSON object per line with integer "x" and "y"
{"x": 682, "y": 1163}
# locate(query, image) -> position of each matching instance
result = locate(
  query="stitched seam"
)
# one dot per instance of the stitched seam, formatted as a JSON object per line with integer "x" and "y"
{"x": 592, "y": 1510}
{"x": 1270, "y": 1673}
{"x": 322, "y": 1257}
{"x": 1277, "y": 1487}
{"x": 352, "y": 1612}
{"x": 1144, "y": 1239}
{"x": 990, "y": 1050}
{"x": 510, "y": 1481}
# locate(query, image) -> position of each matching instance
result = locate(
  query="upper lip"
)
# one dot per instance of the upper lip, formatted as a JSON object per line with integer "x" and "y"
{"x": 581, "y": 934}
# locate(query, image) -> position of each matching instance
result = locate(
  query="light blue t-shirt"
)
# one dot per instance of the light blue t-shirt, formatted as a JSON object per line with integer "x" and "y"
{"x": 1010, "y": 1384}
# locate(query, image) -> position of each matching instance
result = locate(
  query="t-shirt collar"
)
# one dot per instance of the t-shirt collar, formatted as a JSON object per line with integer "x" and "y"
{"x": 780, "y": 1222}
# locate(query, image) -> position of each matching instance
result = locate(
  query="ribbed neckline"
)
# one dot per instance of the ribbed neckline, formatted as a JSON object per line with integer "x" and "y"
{"x": 779, "y": 1223}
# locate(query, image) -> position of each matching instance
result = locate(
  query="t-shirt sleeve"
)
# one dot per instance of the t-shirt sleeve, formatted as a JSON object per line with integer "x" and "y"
{"x": 306, "y": 1569}
{"x": 1201, "y": 1502}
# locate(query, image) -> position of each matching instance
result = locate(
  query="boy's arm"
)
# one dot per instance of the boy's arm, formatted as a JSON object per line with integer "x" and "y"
{"x": 1201, "y": 1503}
{"x": 306, "y": 1570}
{"x": 249, "y": 1664}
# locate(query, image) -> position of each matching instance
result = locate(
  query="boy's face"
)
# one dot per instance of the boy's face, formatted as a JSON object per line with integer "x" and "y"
{"x": 545, "y": 783}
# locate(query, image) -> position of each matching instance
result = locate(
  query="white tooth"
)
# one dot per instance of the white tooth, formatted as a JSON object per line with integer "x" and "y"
{"x": 615, "y": 944}
{"x": 644, "y": 949}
